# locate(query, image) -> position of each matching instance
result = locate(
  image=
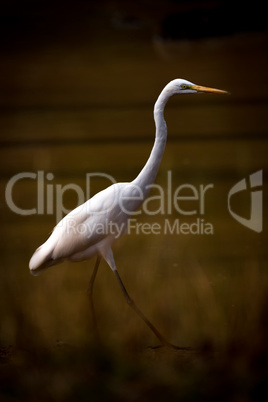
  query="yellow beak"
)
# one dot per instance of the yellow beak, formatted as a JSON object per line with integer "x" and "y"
{"x": 199, "y": 88}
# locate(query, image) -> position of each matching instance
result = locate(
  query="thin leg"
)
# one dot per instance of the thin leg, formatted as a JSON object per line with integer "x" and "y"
{"x": 131, "y": 303}
{"x": 90, "y": 295}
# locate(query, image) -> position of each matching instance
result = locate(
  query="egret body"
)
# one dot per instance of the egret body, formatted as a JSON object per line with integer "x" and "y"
{"x": 75, "y": 239}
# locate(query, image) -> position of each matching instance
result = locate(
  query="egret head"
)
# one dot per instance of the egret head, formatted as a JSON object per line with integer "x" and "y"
{"x": 180, "y": 86}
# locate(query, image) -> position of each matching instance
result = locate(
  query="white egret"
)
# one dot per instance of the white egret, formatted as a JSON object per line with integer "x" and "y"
{"x": 92, "y": 228}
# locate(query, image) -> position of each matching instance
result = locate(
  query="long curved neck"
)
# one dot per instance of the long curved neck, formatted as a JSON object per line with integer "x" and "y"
{"x": 149, "y": 171}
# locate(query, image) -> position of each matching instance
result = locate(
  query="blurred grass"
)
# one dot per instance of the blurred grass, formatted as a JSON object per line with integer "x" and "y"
{"x": 223, "y": 317}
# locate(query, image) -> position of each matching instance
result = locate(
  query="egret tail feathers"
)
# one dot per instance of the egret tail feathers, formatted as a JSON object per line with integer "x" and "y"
{"x": 42, "y": 259}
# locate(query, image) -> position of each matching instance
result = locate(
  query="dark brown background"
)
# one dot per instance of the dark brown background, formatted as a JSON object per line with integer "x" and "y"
{"x": 78, "y": 81}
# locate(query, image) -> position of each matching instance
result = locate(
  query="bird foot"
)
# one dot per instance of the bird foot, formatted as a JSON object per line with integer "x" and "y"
{"x": 171, "y": 346}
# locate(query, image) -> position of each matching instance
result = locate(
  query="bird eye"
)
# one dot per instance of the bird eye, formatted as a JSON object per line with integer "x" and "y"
{"x": 184, "y": 86}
